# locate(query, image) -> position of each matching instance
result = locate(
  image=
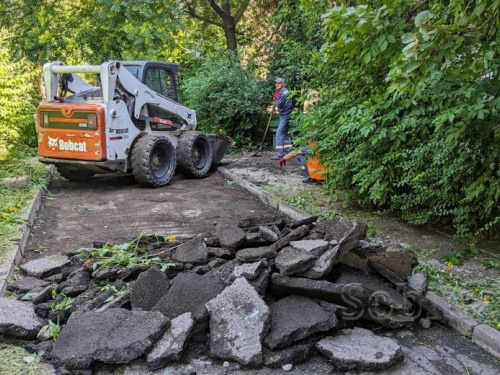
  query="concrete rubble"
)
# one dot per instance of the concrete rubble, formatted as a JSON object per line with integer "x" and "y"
{"x": 18, "y": 319}
{"x": 238, "y": 320}
{"x": 149, "y": 288}
{"x": 46, "y": 266}
{"x": 172, "y": 343}
{"x": 264, "y": 291}
{"x": 110, "y": 336}
{"x": 360, "y": 349}
{"x": 295, "y": 318}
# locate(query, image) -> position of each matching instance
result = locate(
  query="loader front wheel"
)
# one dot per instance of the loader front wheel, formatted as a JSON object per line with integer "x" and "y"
{"x": 194, "y": 154}
{"x": 74, "y": 174}
{"x": 153, "y": 161}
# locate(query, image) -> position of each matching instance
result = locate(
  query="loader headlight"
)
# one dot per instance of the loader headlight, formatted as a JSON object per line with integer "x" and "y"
{"x": 92, "y": 121}
{"x": 44, "y": 118}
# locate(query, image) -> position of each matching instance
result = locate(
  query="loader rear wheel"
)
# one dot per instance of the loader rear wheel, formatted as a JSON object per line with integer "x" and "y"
{"x": 74, "y": 174}
{"x": 194, "y": 154}
{"x": 153, "y": 161}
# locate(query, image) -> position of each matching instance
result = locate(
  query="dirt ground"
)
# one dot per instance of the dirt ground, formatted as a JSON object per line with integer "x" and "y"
{"x": 116, "y": 209}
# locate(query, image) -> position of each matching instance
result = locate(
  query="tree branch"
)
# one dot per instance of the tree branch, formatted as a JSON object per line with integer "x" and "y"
{"x": 240, "y": 11}
{"x": 190, "y": 11}
{"x": 218, "y": 10}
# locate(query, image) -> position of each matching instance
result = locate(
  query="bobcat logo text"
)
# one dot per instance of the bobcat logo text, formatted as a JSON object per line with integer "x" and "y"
{"x": 66, "y": 145}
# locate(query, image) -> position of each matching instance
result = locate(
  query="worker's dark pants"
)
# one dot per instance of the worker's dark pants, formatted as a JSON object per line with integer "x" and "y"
{"x": 283, "y": 140}
{"x": 301, "y": 159}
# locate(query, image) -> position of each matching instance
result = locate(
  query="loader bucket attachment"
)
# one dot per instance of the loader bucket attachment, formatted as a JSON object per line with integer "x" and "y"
{"x": 220, "y": 144}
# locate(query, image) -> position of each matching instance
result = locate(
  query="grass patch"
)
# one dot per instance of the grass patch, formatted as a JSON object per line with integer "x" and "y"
{"x": 14, "y": 360}
{"x": 14, "y": 203}
{"x": 478, "y": 298}
{"x": 313, "y": 200}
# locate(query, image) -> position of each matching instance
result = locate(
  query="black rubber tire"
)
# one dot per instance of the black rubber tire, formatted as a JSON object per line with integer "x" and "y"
{"x": 153, "y": 160}
{"x": 194, "y": 154}
{"x": 74, "y": 174}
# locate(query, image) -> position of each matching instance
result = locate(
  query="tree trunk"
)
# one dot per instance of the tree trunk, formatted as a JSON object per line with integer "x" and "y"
{"x": 230, "y": 33}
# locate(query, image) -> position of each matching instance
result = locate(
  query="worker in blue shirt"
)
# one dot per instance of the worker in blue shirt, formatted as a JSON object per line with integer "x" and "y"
{"x": 284, "y": 104}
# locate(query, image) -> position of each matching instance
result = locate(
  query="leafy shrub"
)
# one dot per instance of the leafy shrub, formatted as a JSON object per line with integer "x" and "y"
{"x": 409, "y": 111}
{"x": 18, "y": 101}
{"x": 227, "y": 98}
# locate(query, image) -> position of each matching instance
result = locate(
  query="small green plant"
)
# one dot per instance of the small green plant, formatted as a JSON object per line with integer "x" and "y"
{"x": 298, "y": 201}
{"x": 29, "y": 296}
{"x": 372, "y": 231}
{"x": 65, "y": 304}
{"x": 127, "y": 255}
{"x": 493, "y": 262}
{"x": 116, "y": 293}
{"x": 41, "y": 249}
{"x": 52, "y": 328}
{"x": 331, "y": 214}
{"x": 9, "y": 294}
{"x": 466, "y": 252}
{"x": 456, "y": 259}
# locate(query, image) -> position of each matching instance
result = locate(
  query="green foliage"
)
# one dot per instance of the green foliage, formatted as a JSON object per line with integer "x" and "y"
{"x": 52, "y": 328}
{"x": 298, "y": 201}
{"x": 466, "y": 252}
{"x": 227, "y": 98}
{"x": 479, "y": 298}
{"x": 408, "y": 114}
{"x": 14, "y": 202}
{"x": 14, "y": 360}
{"x": 127, "y": 255}
{"x": 115, "y": 292}
{"x": 18, "y": 100}
{"x": 64, "y": 304}
{"x": 297, "y": 25}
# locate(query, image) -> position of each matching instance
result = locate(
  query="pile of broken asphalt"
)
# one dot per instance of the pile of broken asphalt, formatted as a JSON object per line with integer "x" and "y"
{"x": 261, "y": 292}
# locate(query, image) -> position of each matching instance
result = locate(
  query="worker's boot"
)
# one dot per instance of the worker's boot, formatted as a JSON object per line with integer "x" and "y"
{"x": 308, "y": 180}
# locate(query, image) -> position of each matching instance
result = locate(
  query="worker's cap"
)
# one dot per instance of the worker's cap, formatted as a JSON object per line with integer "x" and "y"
{"x": 279, "y": 80}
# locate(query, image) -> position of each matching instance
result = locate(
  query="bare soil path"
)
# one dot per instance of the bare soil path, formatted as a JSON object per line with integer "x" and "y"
{"x": 116, "y": 209}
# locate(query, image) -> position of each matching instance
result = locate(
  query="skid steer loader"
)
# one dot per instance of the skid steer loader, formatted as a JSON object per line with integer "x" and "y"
{"x": 130, "y": 122}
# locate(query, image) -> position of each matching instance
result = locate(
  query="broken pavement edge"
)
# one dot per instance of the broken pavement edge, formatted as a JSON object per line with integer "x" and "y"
{"x": 485, "y": 336}
{"x": 15, "y": 252}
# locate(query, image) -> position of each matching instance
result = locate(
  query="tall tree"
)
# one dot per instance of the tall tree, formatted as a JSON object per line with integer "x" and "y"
{"x": 219, "y": 14}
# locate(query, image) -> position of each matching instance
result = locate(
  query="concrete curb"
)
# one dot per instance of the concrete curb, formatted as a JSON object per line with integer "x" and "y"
{"x": 485, "y": 336}
{"x": 265, "y": 197}
{"x": 15, "y": 253}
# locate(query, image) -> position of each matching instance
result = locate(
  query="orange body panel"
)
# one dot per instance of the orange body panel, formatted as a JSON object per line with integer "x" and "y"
{"x": 66, "y": 136}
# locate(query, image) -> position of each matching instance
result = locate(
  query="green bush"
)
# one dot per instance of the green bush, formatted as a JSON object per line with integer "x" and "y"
{"x": 409, "y": 109}
{"x": 18, "y": 102}
{"x": 227, "y": 98}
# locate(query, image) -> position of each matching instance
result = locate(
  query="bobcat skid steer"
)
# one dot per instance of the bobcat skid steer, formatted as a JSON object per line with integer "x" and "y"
{"x": 132, "y": 122}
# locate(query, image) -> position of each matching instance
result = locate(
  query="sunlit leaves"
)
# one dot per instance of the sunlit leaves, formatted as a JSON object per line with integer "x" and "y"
{"x": 418, "y": 80}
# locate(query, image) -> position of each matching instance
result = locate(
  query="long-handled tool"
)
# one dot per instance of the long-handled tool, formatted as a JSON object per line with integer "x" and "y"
{"x": 265, "y": 133}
